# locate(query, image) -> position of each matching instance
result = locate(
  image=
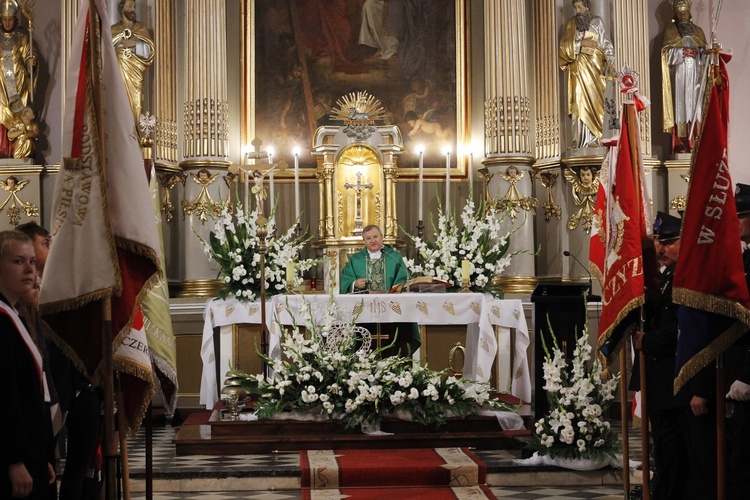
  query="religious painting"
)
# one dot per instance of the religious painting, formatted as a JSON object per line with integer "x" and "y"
{"x": 406, "y": 53}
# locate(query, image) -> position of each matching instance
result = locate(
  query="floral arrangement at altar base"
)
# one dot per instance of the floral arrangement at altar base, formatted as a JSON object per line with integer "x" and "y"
{"x": 234, "y": 245}
{"x": 575, "y": 429}
{"x": 329, "y": 372}
{"x": 479, "y": 239}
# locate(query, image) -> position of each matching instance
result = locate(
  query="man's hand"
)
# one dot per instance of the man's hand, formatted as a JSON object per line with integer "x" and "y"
{"x": 360, "y": 284}
{"x": 739, "y": 391}
{"x": 51, "y": 473}
{"x": 20, "y": 480}
{"x": 699, "y": 406}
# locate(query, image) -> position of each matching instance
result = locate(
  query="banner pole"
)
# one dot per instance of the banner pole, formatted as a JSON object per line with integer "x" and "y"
{"x": 110, "y": 450}
{"x": 624, "y": 420}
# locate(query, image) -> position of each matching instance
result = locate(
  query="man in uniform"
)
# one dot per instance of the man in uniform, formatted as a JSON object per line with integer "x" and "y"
{"x": 737, "y": 362}
{"x": 667, "y": 412}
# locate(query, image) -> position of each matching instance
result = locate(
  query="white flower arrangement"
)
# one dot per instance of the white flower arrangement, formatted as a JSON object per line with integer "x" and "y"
{"x": 234, "y": 244}
{"x": 329, "y": 371}
{"x": 480, "y": 239}
{"x": 576, "y": 425}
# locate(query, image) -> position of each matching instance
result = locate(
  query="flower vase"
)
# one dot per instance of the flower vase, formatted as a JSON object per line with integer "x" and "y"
{"x": 581, "y": 464}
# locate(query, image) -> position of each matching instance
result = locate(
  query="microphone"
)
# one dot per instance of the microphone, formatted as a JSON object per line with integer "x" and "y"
{"x": 592, "y": 297}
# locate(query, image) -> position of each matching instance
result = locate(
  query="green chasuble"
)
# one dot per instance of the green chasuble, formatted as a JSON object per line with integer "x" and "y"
{"x": 381, "y": 274}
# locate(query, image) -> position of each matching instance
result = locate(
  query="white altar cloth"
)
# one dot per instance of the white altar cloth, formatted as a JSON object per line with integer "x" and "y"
{"x": 480, "y": 312}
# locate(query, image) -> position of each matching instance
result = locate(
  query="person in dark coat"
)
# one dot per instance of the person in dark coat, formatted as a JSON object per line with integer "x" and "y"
{"x": 26, "y": 441}
{"x": 659, "y": 345}
{"x": 737, "y": 363}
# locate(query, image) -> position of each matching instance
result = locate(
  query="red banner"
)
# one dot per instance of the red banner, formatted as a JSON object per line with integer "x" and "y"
{"x": 710, "y": 277}
{"x": 624, "y": 221}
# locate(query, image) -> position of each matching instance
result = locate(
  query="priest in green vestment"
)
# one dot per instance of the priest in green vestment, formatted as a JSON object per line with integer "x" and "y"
{"x": 378, "y": 267}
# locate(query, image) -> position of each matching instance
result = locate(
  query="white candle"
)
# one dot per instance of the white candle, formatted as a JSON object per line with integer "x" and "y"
{"x": 471, "y": 169}
{"x": 296, "y": 183}
{"x": 271, "y": 188}
{"x": 247, "y": 191}
{"x": 447, "y": 180}
{"x": 421, "y": 181}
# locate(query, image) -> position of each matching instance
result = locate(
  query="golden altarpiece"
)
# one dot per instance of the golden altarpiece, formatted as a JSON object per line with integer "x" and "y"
{"x": 357, "y": 185}
{"x": 510, "y": 101}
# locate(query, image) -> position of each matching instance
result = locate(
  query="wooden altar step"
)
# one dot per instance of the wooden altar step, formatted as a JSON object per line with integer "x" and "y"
{"x": 214, "y": 436}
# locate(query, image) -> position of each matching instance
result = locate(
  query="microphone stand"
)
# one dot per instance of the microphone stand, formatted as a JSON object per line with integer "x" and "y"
{"x": 591, "y": 296}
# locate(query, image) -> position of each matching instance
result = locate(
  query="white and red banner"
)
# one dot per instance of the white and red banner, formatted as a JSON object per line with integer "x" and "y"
{"x": 105, "y": 241}
{"x": 622, "y": 225}
{"x": 710, "y": 279}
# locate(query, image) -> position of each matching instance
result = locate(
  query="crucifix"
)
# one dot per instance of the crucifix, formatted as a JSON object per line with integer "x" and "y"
{"x": 358, "y": 188}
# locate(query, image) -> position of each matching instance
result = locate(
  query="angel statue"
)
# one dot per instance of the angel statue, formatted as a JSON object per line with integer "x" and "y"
{"x": 585, "y": 186}
{"x": 203, "y": 203}
{"x": 513, "y": 200}
{"x": 13, "y": 186}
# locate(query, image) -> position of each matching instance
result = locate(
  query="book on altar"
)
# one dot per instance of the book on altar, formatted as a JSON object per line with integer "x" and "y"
{"x": 422, "y": 284}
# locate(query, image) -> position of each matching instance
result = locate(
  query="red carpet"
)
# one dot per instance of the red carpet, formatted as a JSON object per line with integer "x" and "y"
{"x": 379, "y": 468}
{"x": 428, "y": 493}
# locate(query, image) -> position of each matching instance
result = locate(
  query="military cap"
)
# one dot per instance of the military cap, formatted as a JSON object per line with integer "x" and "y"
{"x": 742, "y": 199}
{"x": 667, "y": 227}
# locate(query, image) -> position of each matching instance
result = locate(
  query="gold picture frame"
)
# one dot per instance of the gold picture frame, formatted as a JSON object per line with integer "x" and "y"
{"x": 272, "y": 62}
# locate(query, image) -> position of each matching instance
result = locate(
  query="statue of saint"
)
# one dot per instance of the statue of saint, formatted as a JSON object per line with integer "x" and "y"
{"x": 135, "y": 53}
{"x": 24, "y": 132}
{"x": 16, "y": 84}
{"x": 683, "y": 61}
{"x": 587, "y": 55}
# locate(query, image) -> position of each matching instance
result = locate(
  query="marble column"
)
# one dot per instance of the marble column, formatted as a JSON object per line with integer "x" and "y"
{"x": 508, "y": 145}
{"x": 205, "y": 153}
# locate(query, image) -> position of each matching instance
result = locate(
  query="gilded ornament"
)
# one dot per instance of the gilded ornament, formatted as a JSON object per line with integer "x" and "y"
{"x": 203, "y": 204}
{"x": 357, "y": 309}
{"x": 396, "y": 307}
{"x": 513, "y": 201}
{"x": 585, "y": 185}
{"x": 168, "y": 181}
{"x": 14, "y": 203}
{"x": 476, "y": 307}
{"x": 484, "y": 345}
{"x": 550, "y": 206}
{"x": 449, "y": 308}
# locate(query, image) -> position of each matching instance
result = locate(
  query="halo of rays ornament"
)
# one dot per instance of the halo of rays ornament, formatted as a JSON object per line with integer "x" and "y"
{"x": 359, "y": 111}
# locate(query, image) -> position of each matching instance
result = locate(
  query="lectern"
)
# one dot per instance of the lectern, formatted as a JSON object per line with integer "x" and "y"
{"x": 563, "y": 306}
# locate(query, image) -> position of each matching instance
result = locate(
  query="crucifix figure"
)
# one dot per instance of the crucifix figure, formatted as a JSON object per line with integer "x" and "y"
{"x": 358, "y": 188}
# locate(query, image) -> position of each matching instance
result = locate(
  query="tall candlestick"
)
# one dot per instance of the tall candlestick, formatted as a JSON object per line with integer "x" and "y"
{"x": 465, "y": 270}
{"x": 271, "y": 190}
{"x": 447, "y": 181}
{"x": 296, "y": 183}
{"x": 421, "y": 182}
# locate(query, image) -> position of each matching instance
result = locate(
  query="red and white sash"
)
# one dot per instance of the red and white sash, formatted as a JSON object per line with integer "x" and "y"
{"x": 30, "y": 345}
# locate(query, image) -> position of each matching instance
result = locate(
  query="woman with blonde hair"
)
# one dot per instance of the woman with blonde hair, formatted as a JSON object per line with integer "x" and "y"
{"x": 27, "y": 451}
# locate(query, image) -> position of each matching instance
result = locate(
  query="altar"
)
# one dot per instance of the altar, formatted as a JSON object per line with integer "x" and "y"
{"x": 496, "y": 330}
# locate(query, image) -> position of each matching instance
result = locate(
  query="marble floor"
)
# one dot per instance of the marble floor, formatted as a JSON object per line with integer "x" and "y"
{"x": 276, "y": 476}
